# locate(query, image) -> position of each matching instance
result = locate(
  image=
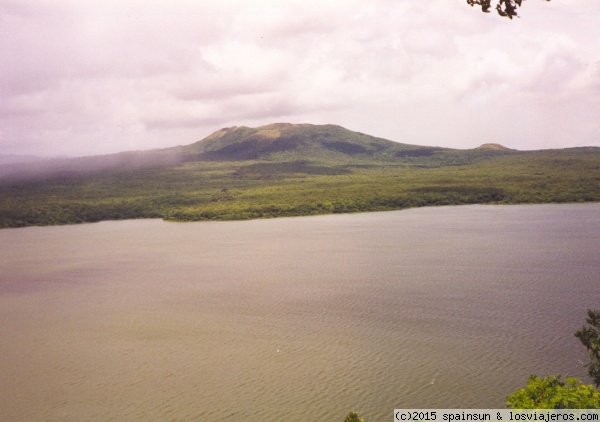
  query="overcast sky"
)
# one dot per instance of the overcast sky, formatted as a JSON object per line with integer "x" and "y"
{"x": 81, "y": 77}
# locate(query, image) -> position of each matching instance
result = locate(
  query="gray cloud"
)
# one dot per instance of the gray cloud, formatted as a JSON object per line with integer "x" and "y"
{"x": 104, "y": 76}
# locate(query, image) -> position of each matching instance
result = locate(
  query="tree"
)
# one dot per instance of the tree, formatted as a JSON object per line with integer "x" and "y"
{"x": 505, "y": 8}
{"x": 353, "y": 417}
{"x": 552, "y": 393}
{"x": 590, "y": 338}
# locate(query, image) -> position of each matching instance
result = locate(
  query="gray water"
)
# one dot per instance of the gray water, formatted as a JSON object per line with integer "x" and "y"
{"x": 293, "y": 319}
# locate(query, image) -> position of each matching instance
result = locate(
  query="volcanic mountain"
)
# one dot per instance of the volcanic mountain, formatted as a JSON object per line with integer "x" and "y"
{"x": 286, "y": 141}
{"x": 275, "y": 142}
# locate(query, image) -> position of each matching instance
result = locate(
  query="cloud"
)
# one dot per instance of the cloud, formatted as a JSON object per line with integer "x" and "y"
{"x": 104, "y": 76}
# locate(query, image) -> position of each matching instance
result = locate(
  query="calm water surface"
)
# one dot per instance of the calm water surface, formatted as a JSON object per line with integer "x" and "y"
{"x": 299, "y": 319}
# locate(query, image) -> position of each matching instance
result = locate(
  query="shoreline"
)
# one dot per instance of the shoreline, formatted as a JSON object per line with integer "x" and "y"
{"x": 291, "y": 215}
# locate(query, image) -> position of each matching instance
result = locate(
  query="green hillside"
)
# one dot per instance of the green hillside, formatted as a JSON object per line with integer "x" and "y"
{"x": 288, "y": 170}
{"x": 284, "y": 141}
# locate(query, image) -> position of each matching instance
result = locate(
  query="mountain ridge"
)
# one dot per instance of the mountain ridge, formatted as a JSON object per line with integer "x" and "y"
{"x": 264, "y": 142}
{"x": 272, "y": 142}
{"x": 279, "y": 170}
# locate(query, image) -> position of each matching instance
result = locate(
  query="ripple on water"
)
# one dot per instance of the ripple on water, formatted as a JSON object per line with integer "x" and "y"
{"x": 293, "y": 319}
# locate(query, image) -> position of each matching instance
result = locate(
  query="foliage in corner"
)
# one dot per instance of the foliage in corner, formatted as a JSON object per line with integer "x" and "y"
{"x": 505, "y": 8}
{"x": 590, "y": 338}
{"x": 353, "y": 417}
{"x": 553, "y": 393}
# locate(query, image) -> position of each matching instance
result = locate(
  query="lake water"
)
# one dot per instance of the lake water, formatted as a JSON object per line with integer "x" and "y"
{"x": 293, "y": 319}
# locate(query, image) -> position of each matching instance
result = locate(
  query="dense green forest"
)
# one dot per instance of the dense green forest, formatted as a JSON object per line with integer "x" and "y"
{"x": 291, "y": 170}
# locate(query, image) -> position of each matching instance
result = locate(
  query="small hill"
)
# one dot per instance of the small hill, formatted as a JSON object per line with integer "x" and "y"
{"x": 493, "y": 147}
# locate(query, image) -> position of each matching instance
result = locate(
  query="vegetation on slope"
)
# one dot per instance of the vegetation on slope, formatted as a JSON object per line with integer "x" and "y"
{"x": 291, "y": 170}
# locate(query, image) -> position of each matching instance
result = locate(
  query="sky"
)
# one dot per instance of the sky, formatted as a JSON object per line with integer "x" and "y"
{"x": 88, "y": 77}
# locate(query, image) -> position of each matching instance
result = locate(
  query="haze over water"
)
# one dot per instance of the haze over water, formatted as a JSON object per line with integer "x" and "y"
{"x": 293, "y": 319}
